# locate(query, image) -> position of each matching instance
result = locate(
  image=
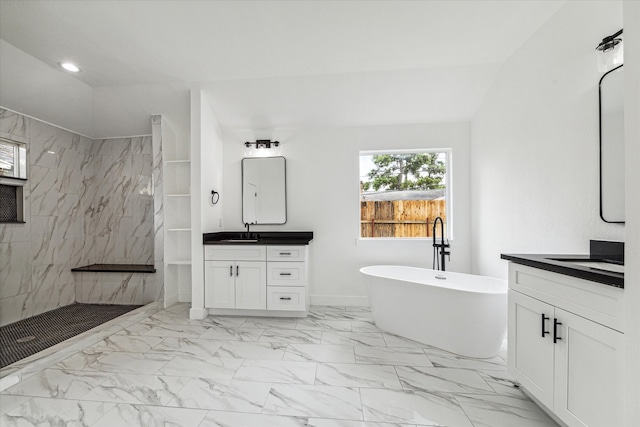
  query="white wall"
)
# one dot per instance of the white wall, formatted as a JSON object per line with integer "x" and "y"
{"x": 632, "y": 244}
{"x": 36, "y": 89}
{"x": 535, "y": 175}
{"x": 33, "y": 88}
{"x": 323, "y": 197}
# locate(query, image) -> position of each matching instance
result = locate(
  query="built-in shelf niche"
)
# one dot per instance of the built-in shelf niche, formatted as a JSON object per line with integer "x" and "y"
{"x": 177, "y": 220}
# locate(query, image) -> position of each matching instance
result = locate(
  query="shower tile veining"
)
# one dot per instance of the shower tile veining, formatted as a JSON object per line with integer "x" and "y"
{"x": 332, "y": 369}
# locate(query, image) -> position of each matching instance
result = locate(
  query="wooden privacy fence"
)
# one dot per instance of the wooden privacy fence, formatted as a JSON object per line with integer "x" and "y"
{"x": 400, "y": 218}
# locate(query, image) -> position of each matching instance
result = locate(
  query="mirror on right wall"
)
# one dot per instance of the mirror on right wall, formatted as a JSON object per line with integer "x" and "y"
{"x": 612, "y": 146}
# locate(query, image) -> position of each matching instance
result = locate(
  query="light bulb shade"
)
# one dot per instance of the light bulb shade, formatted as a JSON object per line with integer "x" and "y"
{"x": 610, "y": 55}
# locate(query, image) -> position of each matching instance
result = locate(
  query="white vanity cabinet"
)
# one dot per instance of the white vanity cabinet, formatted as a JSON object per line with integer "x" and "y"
{"x": 235, "y": 277}
{"x": 566, "y": 344}
{"x": 287, "y": 278}
{"x": 261, "y": 279}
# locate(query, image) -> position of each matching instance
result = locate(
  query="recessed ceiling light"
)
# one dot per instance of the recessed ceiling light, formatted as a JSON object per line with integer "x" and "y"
{"x": 70, "y": 67}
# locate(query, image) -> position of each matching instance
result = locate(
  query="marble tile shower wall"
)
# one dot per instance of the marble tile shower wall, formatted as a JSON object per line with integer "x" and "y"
{"x": 79, "y": 209}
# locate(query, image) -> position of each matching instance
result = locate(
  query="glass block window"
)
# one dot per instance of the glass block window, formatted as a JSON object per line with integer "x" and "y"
{"x": 9, "y": 203}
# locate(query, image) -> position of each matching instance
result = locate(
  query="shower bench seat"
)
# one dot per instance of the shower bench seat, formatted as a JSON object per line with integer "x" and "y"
{"x": 116, "y": 268}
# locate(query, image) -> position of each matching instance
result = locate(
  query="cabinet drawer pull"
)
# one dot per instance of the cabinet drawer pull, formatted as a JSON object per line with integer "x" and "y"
{"x": 543, "y": 325}
{"x": 285, "y": 298}
{"x": 237, "y": 270}
{"x": 231, "y": 271}
{"x": 555, "y": 330}
{"x": 285, "y": 253}
{"x": 285, "y": 274}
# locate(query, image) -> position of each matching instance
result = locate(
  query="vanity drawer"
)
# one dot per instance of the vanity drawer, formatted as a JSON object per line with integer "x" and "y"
{"x": 235, "y": 253}
{"x": 286, "y": 274}
{"x": 286, "y": 253}
{"x": 286, "y": 298}
{"x": 601, "y": 303}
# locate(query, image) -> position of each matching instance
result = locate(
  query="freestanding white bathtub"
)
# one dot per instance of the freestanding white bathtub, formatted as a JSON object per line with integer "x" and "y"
{"x": 459, "y": 313}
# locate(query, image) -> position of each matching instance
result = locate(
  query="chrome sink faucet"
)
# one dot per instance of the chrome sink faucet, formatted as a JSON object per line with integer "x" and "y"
{"x": 440, "y": 249}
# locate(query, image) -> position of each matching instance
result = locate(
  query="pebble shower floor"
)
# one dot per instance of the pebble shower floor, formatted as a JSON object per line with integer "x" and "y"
{"x": 26, "y": 337}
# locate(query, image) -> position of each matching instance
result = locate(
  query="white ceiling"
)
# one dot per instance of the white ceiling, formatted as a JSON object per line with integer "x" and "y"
{"x": 288, "y": 62}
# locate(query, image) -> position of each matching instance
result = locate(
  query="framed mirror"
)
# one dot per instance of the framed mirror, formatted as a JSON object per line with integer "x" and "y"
{"x": 612, "y": 146}
{"x": 264, "y": 195}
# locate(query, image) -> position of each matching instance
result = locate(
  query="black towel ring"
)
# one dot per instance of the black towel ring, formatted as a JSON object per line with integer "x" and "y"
{"x": 215, "y": 197}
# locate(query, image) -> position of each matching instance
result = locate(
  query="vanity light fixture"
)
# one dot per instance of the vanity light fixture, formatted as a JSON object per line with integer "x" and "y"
{"x": 610, "y": 52}
{"x": 262, "y": 148}
{"x": 69, "y": 66}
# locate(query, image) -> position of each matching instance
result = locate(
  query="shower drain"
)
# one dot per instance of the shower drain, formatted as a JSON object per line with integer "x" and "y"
{"x": 26, "y": 339}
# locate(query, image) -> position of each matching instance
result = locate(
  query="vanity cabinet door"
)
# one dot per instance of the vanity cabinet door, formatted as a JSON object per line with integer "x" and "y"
{"x": 531, "y": 351}
{"x": 251, "y": 285}
{"x": 588, "y": 361}
{"x": 219, "y": 284}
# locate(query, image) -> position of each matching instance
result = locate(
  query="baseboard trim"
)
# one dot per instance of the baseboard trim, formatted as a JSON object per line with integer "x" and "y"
{"x": 169, "y": 301}
{"x": 184, "y": 297}
{"x": 349, "y": 300}
{"x": 198, "y": 313}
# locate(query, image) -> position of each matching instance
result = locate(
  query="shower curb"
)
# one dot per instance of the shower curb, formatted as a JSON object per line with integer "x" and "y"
{"x": 23, "y": 369}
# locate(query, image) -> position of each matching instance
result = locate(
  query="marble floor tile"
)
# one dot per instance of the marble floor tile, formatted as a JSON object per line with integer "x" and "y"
{"x": 251, "y": 350}
{"x": 42, "y": 411}
{"x": 232, "y": 334}
{"x": 324, "y": 422}
{"x": 224, "y": 321}
{"x": 397, "y": 341}
{"x": 348, "y": 315}
{"x": 413, "y": 407}
{"x": 271, "y": 323}
{"x": 147, "y": 416}
{"x": 353, "y": 375}
{"x": 323, "y": 325}
{"x": 223, "y": 395}
{"x": 82, "y": 359}
{"x": 291, "y": 336}
{"x": 391, "y": 356}
{"x": 503, "y": 411}
{"x": 180, "y": 331}
{"x": 353, "y": 338}
{"x": 135, "y": 363}
{"x": 9, "y": 402}
{"x": 222, "y": 368}
{"x": 334, "y": 368}
{"x": 179, "y": 307}
{"x": 320, "y": 353}
{"x": 137, "y": 389}
{"x": 325, "y": 308}
{"x": 364, "y": 326}
{"x": 444, "y": 380}
{"x": 59, "y": 384}
{"x": 130, "y": 343}
{"x": 444, "y": 359}
{"x": 502, "y": 383}
{"x": 276, "y": 371}
{"x": 229, "y": 419}
{"x": 186, "y": 347}
{"x": 314, "y": 401}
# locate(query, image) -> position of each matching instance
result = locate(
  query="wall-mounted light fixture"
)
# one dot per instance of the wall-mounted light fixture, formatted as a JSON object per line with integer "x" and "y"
{"x": 262, "y": 148}
{"x": 610, "y": 52}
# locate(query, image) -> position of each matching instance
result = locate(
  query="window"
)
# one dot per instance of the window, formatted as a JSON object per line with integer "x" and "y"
{"x": 403, "y": 192}
{"x": 13, "y": 159}
{"x": 13, "y": 175}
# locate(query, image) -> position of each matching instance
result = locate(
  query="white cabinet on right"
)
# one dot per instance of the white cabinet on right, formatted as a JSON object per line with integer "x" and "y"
{"x": 566, "y": 345}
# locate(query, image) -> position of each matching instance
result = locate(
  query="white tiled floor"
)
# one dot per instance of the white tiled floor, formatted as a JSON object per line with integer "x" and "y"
{"x": 332, "y": 369}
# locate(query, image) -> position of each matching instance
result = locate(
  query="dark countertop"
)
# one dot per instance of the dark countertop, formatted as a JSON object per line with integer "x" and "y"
{"x": 544, "y": 262}
{"x": 258, "y": 238}
{"x": 116, "y": 268}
